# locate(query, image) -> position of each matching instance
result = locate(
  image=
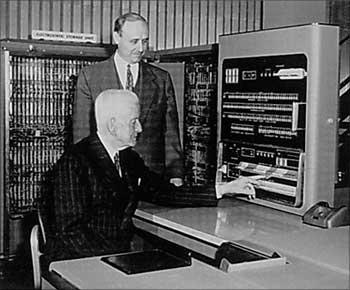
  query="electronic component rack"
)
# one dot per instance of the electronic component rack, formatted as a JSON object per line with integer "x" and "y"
{"x": 37, "y": 87}
{"x": 200, "y": 122}
{"x": 344, "y": 116}
{"x": 278, "y": 104}
{"x": 199, "y": 110}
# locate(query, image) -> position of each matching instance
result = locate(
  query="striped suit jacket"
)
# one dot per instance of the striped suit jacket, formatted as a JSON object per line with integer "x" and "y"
{"x": 159, "y": 143}
{"x": 88, "y": 210}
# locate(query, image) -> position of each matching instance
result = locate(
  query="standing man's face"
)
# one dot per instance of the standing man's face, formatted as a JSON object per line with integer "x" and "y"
{"x": 132, "y": 41}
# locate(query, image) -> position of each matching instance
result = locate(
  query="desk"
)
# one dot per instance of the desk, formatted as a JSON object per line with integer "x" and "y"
{"x": 317, "y": 258}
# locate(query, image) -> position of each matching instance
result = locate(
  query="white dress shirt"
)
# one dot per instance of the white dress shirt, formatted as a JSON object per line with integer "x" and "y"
{"x": 110, "y": 150}
{"x": 121, "y": 66}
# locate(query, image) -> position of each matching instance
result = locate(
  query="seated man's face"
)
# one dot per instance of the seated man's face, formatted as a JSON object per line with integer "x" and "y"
{"x": 130, "y": 127}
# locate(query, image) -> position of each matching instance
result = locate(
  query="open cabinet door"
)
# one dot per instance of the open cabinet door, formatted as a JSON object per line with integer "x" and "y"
{"x": 177, "y": 73}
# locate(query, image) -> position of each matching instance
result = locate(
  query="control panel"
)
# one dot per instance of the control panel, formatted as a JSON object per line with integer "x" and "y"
{"x": 277, "y": 113}
{"x": 263, "y": 123}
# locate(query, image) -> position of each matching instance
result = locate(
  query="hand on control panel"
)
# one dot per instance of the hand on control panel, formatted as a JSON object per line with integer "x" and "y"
{"x": 176, "y": 181}
{"x": 241, "y": 185}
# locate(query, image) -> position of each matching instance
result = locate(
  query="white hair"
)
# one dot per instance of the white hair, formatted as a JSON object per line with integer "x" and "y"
{"x": 113, "y": 103}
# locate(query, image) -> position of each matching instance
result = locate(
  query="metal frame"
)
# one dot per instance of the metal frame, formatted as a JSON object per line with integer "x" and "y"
{"x": 12, "y": 47}
{"x": 320, "y": 44}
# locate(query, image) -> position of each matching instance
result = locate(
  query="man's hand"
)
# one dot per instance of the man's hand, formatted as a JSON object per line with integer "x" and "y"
{"x": 241, "y": 185}
{"x": 176, "y": 181}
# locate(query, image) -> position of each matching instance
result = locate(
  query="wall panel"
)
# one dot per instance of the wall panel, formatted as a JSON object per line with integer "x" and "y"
{"x": 107, "y": 21}
{"x": 220, "y": 19}
{"x": 143, "y": 8}
{"x": 86, "y": 16}
{"x": 211, "y": 32}
{"x": 187, "y": 23}
{"x": 126, "y": 7}
{"x": 161, "y": 33}
{"x": 96, "y": 19}
{"x": 23, "y": 32}
{"x": 151, "y": 11}
{"x": 34, "y": 16}
{"x": 258, "y": 18}
{"x": 251, "y": 15}
{"x": 13, "y": 21}
{"x": 173, "y": 23}
{"x": 135, "y": 5}
{"x": 195, "y": 22}
{"x": 76, "y": 9}
{"x": 178, "y": 24}
{"x": 243, "y": 13}
{"x": 45, "y": 15}
{"x": 3, "y": 19}
{"x": 235, "y": 16}
{"x": 56, "y": 15}
{"x": 227, "y": 16}
{"x": 203, "y": 17}
{"x": 66, "y": 16}
{"x": 169, "y": 23}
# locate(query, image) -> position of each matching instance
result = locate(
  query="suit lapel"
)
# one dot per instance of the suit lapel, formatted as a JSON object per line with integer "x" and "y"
{"x": 100, "y": 160}
{"x": 111, "y": 78}
{"x": 146, "y": 89}
{"x": 106, "y": 170}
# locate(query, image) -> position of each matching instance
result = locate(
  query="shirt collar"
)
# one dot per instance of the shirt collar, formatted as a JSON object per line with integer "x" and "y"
{"x": 120, "y": 62}
{"x": 111, "y": 151}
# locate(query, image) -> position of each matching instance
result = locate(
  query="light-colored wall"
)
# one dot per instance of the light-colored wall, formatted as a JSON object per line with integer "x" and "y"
{"x": 173, "y": 23}
{"x": 279, "y": 13}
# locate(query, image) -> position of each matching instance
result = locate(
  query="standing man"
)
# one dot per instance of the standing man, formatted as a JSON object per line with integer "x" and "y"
{"x": 159, "y": 143}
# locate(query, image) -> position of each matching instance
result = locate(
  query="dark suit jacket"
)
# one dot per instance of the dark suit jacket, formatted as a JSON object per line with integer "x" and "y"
{"x": 89, "y": 208}
{"x": 159, "y": 143}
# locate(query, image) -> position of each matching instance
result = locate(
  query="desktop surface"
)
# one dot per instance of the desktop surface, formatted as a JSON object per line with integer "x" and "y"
{"x": 316, "y": 258}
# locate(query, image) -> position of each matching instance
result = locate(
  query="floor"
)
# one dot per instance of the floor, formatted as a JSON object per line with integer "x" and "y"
{"x": 17, "y": 275}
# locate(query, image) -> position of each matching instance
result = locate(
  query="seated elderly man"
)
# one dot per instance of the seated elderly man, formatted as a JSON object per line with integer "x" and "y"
{"x": 96, "y": 184}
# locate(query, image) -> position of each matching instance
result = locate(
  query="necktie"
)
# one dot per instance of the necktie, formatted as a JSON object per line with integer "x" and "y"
{"x": 129, "y": 79}
{"x": 117, "y": 163}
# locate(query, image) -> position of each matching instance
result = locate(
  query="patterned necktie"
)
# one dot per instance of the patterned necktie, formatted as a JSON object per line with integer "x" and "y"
{"x": 129, "y": 79}
{"x": 117, "y": 163}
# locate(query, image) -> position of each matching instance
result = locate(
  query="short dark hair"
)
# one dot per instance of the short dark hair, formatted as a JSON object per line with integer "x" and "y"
{"x": 130, "y": 16}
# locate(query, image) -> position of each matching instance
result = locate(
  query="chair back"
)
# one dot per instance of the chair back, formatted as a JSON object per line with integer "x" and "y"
{"x": 37, "y": 230}
{"x": 35, "y": 252}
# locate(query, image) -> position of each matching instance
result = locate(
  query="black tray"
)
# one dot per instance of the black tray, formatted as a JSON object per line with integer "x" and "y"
{"x": 146, "y": 261}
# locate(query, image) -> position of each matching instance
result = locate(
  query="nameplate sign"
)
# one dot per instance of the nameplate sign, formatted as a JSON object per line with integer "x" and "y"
{"x": 64, "y": 36}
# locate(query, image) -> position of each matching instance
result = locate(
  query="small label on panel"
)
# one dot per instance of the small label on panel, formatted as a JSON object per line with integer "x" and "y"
{"x": 291, "y": 74}
{"x": 64, "y": 36}
{"x": 231, "y": 75}
{"x": 249, "y": 75}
